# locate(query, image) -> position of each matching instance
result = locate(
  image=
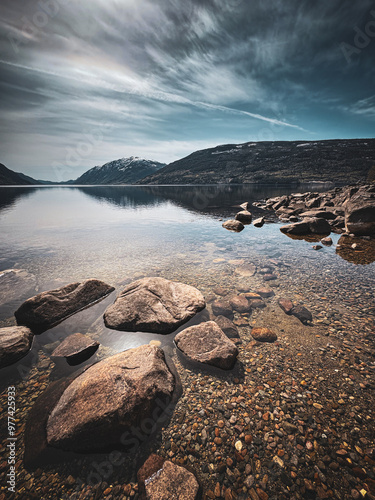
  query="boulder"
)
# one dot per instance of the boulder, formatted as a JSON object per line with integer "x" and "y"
{"x": 208, "y": 344}
{"x": 263, "y": 335}
{"x": 227, "y": 326}
{"x": 233, "y": 225}
{"x": 360, "y": 212}
{"x": 98, "y": 409}
{"x": 245, "y": 206}
{"x": 286, "y": 305}
{"x": 15, "y": 343}
{"x": 244, "y": 216}
{"x": 259, "y": 222}
{"x": 154, "y": 305}
{"x": 320, "y": 214}
{"x": 172, "y": 482}
{"x": 222, "y": 308}
{"x": 307, "y": 226}
{"x": 303, "y": 314}
{"x": 76, "y": 348}
{"x": 240, "y": 303}
{"x": 49, "y": 308}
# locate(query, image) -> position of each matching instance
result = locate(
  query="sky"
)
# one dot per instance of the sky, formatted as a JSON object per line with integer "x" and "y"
{"x": 83, "y": 83}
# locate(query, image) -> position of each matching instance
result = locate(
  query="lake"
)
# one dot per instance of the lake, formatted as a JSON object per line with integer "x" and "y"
{"x": 58, "y": 235}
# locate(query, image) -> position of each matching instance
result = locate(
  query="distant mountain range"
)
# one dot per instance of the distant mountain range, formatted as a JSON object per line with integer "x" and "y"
{"x": 122, "y": 171}
{"x": 343, "y": 161}
{"x": 338, "y": 161}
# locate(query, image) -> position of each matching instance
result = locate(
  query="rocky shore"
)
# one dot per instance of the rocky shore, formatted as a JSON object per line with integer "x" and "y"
{"x": 272, "y": 389}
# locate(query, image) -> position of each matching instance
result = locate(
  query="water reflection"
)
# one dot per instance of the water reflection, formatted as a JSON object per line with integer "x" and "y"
{"x": 10, "y": 195}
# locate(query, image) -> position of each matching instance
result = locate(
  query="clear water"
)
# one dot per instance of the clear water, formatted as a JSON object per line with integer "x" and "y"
{"x": 59, "y": 235}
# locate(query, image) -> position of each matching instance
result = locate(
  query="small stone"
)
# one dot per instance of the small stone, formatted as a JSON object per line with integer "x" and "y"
{"x": 327, "y": 241}
{"x": 263, "y": 335}
{"x": 286, "y": 305}
{"x": 238, "y": 445}
{"x": 317, "y": 247}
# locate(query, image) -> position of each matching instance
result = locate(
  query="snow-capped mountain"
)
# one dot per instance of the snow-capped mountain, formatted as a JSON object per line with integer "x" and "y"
{"x": 122, "y": 171}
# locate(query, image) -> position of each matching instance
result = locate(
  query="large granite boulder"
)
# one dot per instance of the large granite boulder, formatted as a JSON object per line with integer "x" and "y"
{"x": 15, "y": 343}
{"x": 172, "y": 482}
{"x": 110, "y": 398}
{"x": 360, "y": 212}
{"x": 207, "y": 343}
{"x": 76, "y": 348}
{"x": 49, "y": 308}
{"x": 154, "y": 305}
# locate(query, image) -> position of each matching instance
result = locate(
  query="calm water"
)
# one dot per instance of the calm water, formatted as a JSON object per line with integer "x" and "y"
{"x": 57, "y": 235}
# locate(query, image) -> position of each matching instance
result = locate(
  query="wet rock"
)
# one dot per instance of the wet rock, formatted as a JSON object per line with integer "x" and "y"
{"x": 308, "y": 226}
{"x": 360, "y": 211}
{"x": 109, "y": 398}
{"x": 286, "y": 305}
{"x": 263, "y": 335}
{"x": 49, "y": 308}
{"x": 154, "y": 305}
{"x": 227, "y": 326}
{"x": 317, "y": 247}
{"x": 15, "y": 343}
{"x": 259, "y": 222}
{"x": 170, "y": 483}
{"x": 222, "y": 308}
{"x": 247, "y": 270}
{"x": 233, "y": 225}
{"x": 76, "y": 348}
{"x": 240, "y": 303}
{"x": 257, "y": 304}
{"x": 327, "y": 241}
{"x": 245, "y": 206}
{"x": 303, "y": 314}
{"x": 265, "y": 291}
{"x": 152, "y": 465}
{"x": 245, "y": 217}
{"x": 207, "y": 343}
{"x": 321, "y": 214}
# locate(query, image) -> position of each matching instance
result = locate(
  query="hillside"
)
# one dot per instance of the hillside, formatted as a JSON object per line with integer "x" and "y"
{"x": 339, "y": 161}
{"x": 10, "y": 178}
{"x": 122, "y": 171}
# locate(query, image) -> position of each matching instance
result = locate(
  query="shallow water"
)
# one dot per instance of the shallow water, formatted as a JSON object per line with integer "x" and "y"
{"x": 58, "y": 235}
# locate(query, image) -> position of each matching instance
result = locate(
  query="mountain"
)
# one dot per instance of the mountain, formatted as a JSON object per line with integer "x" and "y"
{"x": 10, "y": 178}
{"x": 284, "y": 162}
{"x": 122, "y": 171}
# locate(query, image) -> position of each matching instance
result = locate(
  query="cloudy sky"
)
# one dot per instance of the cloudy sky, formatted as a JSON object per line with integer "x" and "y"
{"x": 83, "y": 83}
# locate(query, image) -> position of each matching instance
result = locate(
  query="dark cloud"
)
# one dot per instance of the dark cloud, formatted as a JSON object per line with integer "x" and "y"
{"x": 161, "y": 78}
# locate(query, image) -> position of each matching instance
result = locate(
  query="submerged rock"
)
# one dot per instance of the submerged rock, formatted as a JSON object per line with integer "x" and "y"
{"x": 207, "y": 343}
{"x": 76, "y": 348}
{"x": 244, "y": 216}
{"x": 233, "y": 225}
{"x": 227, "y": 326}
{"x": 303, "y": 314}
{"x": 109, "y": 398}
{"x": 286, "y": 305}
{"x": 327, "y": 241}
{"x": 265, "y": 291}
{"x": 222, "y": 307}
{"x": 240, "y": 303}
{"x": 154, "y": 305}
{"x": 172, "y": 482}
{"x": 15, "y": 343}
{"x": 49, "y": 308}
{"x": 263, "y": 335}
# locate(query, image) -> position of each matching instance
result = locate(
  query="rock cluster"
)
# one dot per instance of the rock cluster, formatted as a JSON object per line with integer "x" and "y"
{"x": 351, "y": 208}
{"x": 242, "y": 218}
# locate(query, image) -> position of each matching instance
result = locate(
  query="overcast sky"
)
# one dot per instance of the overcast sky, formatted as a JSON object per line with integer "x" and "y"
{"x": 83, "y": 83}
